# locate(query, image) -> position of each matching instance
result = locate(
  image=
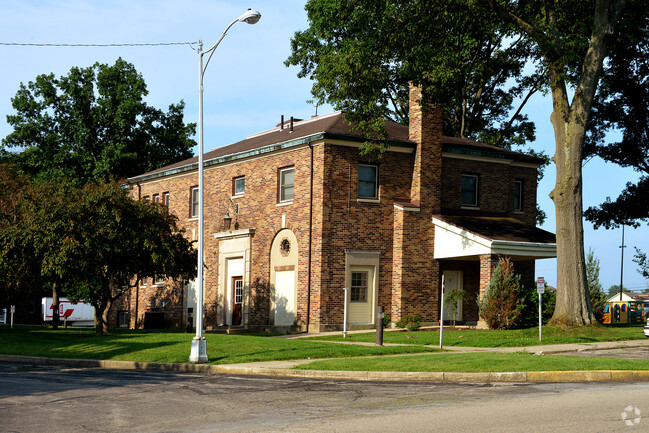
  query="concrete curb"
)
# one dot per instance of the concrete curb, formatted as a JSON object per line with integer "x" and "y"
{"x": 378, "y": 376}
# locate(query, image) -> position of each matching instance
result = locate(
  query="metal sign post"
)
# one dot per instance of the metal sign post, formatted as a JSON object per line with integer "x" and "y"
{"x": 441, "y": 319}
{"x": 540, "y": 288}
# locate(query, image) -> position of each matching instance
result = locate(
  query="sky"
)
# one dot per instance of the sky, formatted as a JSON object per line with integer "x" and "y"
{"x": 247, "y": 86}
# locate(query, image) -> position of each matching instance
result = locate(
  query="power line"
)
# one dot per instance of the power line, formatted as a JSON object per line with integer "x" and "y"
{"x": 157, "y": 44}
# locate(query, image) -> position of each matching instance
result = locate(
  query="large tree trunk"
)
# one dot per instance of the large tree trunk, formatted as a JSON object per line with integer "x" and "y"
{"x": 573, "y": 301}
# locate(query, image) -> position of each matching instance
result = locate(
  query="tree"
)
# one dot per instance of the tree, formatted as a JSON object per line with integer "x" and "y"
{"x": 597, "y": 297}
{"x": 613, "y": 290}
{"x": 567, "y": 40}
{"x": 643, "y": 262}
{"x": 363, "y": 54}
{"x": 93, "y": 125}
{"x": 92, "y": 240}
{"x": 20, "y": 282}
{"x": 623, "y": 105}
{"x": 502, "y": 305}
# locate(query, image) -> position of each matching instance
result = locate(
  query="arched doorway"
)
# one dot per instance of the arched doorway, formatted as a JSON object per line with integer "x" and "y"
{"x": 283, "y": 278}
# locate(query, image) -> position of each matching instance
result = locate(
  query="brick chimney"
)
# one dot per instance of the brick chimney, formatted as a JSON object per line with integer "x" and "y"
{"x": 425, "y": 129}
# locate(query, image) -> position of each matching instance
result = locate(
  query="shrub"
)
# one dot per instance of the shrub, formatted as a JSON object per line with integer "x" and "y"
{"x": 411, "y": 322}
{"x": 502, "y": 305}
{"x": 451, "y": 301}
{"x": 386, "y": 320}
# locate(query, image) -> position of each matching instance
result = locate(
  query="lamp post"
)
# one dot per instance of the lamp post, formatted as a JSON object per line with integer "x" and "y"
{"x": 199, "y": 348}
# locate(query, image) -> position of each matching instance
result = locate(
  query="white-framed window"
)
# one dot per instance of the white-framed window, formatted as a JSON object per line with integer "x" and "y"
{"x": 368, "y": 181}
{"x": 518, "y": 195}
{"x": 238, "y": 185}
{"x": 359, "y": 286}
{"x": 469, "y": 190}
{"x": 165, "y": 199}
{"x": 286, "y": 184}
{"x": 238, "y": 291}
{"x": 158, "y": 280}
{"x": 193, "y": 203}
{"x": 156, "y": 198}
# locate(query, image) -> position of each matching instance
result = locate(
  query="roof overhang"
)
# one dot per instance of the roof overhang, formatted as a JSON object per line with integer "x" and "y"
{"x": 453, "y": 242}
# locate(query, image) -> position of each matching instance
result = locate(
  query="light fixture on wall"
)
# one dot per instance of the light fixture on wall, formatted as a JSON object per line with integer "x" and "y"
{"x": 227, "y": 221}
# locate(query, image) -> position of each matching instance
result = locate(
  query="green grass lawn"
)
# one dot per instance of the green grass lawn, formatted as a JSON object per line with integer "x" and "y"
{"x": 478, "y": 362}
{"x": 513, "y": 338}
{"x": 169, "y": 346}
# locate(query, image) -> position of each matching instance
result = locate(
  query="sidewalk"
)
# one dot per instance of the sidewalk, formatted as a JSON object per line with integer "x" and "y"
{"x": 285, "y": 368}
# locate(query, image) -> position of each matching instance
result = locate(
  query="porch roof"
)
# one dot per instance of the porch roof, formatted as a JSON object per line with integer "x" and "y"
{"x": 469, "y": 237}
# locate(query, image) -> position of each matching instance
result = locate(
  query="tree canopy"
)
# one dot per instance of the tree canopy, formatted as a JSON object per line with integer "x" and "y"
{"x": 91, "y": 241}
{"x": 93, "y": 125}
{"x": 362, "y": 53}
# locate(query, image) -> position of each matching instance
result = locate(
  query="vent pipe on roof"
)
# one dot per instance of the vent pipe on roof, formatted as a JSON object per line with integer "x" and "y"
{"x": 291, "y": 130}
{"x": 281, "y": 123}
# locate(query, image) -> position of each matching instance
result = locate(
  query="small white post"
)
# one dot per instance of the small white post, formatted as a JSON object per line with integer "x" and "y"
{"x": 13, "y": 310}
{"x": 441, "y": 319}
{"x": 345, "y": 312}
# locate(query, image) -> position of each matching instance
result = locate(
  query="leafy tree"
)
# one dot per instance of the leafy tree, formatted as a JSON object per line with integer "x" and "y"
{"x": 614, "y": 289}
{"x": 363, "y": 65}
{"x": 597, "y": 297}
{"x": 643, "y": 262}
{"x": 20, "y": 282}
{"x": 362, "y": 55}
{"x": 623, "y": 105}
{"x": 92, "y": 240}
{"x": 93, "y": 125}
{"x": 502, "y": 305}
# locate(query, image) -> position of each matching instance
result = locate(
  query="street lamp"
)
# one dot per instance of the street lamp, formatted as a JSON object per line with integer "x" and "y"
{"x": 199, "y": 349}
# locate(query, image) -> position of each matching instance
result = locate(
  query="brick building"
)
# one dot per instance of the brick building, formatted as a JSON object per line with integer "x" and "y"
{"x": 310, "y": 216}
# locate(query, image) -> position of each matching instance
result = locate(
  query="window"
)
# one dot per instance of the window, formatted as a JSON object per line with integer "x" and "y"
{"x": 286, "y": 180}
{"x": 368, "y": 181}
{"x": 145, "y": 198}
{"x": 193, "y": 208}
{"x": 238, "y": 290}
{"x": 156, "y": 198}
{"x": 469, "y": 194}
{"x": 122, "y": 319}
{"x": 518, "y": 195}
{"x": 238, "y": 185}
{"x": 158, "y": 280}
{"x": 165, "y": 199}
{"x": 359, "y": 287}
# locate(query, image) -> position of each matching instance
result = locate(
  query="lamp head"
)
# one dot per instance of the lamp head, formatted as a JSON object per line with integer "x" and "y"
{"x": 250, "y": 16}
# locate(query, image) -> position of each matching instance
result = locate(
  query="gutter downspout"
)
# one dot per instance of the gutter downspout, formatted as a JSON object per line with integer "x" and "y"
{"x": 308, "y": 298}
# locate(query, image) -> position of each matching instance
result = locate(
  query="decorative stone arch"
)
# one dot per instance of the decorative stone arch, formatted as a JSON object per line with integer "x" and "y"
{"x": 284, "y": 279}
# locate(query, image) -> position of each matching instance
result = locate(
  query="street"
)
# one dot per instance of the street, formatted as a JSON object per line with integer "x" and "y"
{"x": 37, "y": 399}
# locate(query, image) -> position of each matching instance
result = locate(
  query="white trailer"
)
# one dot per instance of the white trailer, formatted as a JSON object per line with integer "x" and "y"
{"x": 79, "y": 314}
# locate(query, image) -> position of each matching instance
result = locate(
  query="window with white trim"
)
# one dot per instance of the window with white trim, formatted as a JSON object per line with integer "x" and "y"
{"x": 238, "y": 185}
{"x": 193, "y": 203}
{"x": 368, "y": 181}
{"x": 359, "y": 287}
{"x": 469, "y": 190}
{"x": 286, "y": 184}
{"x": 165, "y": 199}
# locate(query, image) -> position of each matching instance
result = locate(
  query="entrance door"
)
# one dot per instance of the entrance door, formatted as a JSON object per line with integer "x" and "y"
{"x": 452, "y": 281}
{"x": 361, "y": 295}
{"x": 284, "y": 298}
{"x": 237, "y": 300}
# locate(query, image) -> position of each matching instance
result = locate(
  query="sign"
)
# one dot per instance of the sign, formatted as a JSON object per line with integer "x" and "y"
{"x": 13, "y": 309}
{"x": 540, "y": 285}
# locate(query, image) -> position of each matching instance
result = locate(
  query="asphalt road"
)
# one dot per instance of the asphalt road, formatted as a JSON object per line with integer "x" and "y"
{"x": 61, "y": 399}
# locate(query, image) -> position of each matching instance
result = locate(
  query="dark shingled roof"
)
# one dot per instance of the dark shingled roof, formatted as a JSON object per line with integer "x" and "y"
{"x": 334, "y": 126}
{"x": 500, "y": 229}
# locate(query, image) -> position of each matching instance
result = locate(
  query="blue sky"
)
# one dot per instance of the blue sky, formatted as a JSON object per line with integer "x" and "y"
{"x": 247, "y": 86}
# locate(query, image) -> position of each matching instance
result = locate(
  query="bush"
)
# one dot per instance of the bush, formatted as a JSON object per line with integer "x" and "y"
{"x": 386, "y": 320}
{"x": 411, "y": 322}
{"x": 503, "y": 304}
{"x": 530, "y": 310}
